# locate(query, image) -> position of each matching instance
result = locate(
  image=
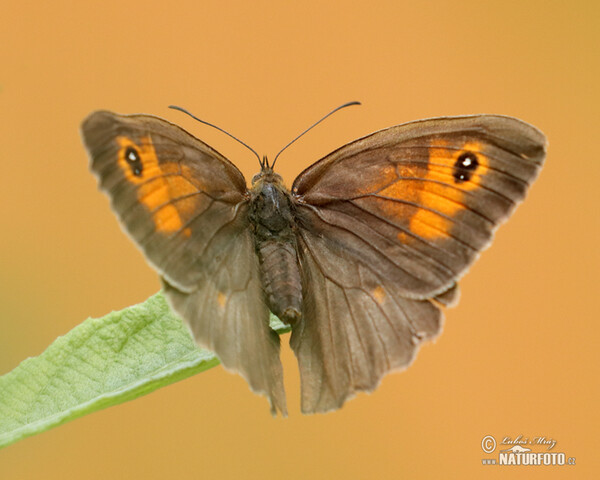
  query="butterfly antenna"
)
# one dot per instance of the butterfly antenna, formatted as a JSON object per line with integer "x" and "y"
{"x": 175, "y": 107}
{"x": 312, "y": 126}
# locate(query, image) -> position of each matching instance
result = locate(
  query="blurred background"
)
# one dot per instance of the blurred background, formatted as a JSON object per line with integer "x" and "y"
{"x": 518, "y": 356}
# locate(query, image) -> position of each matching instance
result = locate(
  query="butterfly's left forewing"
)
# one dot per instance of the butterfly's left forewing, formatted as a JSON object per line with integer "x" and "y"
{"x": 173, "y": 194}
{"x": 387, "y": 225}
{"x": 186, "y": 207}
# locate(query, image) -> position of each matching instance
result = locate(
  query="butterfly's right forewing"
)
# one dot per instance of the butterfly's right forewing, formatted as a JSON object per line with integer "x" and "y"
{"x": 421, "y": 200}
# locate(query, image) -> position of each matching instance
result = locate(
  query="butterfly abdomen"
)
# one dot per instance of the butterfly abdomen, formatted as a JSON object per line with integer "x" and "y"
{"x": 281, "y": 279}
{"x": 275, "y": 241}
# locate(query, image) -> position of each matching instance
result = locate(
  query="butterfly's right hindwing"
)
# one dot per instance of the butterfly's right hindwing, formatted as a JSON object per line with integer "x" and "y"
{"x": 355, "y": 328}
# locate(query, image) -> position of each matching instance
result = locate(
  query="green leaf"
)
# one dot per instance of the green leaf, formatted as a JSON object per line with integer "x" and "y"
{"x": 100, "y": 363}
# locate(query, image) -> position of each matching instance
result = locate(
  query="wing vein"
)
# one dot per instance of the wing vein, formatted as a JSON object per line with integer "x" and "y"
{"x": 416, "y": 205}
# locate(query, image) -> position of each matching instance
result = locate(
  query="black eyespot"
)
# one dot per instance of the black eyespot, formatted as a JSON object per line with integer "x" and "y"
{"x": 464, "y": 167}
{"x": 135, "y": 162}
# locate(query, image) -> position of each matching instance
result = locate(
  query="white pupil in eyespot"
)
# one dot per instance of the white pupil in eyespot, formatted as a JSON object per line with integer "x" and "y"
{"x": 132, "y": 156}
{"x": 466, "y": 162}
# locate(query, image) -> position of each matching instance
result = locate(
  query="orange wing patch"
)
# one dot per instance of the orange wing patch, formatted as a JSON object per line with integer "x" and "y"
{"x": 378, "y": 294}
{"x": 450, "y": 173}
{"x": 221, "y": 300}
{"x": 164, "y": 192}
{"x": 429, "y": 195}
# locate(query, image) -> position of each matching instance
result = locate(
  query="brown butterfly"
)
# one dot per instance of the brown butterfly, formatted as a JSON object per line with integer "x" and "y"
{"x": 358, "y": 257}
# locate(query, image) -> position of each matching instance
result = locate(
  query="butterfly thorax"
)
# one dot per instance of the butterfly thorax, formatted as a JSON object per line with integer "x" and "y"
{"x": 273, "y": 225}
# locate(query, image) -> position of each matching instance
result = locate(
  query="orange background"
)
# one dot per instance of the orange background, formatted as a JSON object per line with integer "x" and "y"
{"x": 517, "y": 356}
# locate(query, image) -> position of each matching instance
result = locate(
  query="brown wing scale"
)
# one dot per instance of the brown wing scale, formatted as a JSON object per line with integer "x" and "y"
{"x": 186, "y": 207}
{"x": 387, "y": 225}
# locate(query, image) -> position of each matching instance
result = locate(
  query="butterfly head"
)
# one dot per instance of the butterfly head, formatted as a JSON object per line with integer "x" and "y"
{"x": 266, "y": 175}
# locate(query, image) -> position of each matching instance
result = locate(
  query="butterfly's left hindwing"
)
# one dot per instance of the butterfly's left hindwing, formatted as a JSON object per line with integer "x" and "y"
{"x": 228, "y": 312}
{"x": 186, "y": 207}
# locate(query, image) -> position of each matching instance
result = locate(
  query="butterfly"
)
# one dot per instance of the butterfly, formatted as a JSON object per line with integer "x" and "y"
{"x": 358, "y": 257}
